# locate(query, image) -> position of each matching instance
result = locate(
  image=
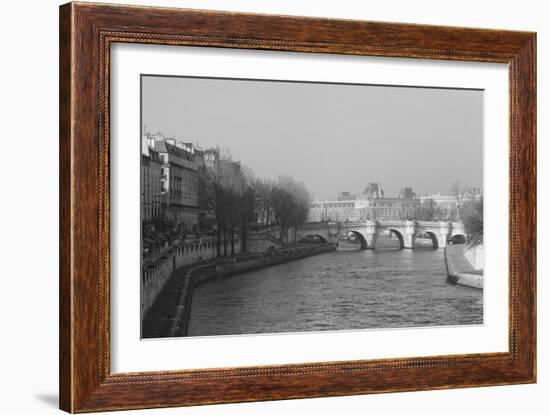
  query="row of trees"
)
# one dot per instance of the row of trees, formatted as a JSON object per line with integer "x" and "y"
{"x": 430, "y": 211}
{"x": 470, "y": 213}
{"x": 465, "y": 209}
{"x": 461, "y": 202}
{"x": 284, "y": 202}
{"x": 472, "y": 217}
{"x": 236, "y": 199}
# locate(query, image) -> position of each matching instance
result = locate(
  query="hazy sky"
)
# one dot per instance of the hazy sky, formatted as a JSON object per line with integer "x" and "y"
{"x": 332, "y": 137}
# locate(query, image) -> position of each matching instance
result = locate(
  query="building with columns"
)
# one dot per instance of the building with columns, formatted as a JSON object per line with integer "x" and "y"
{"x": 371, "y": 205}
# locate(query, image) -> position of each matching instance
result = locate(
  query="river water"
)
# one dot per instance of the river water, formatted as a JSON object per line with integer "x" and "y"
{"x": 348, "y": 289}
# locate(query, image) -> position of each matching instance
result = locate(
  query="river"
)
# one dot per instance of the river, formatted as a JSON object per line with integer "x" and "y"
{"x": 347, "y": 289}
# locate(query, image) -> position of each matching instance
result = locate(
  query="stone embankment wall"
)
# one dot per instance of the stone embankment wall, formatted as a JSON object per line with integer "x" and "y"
{"x": 459, "y": 268}
{"x": 475, "y": 255}
{"x": 155, "y": 275}
{"x": 175, "y": 321}
{"x": 262, "y": 243}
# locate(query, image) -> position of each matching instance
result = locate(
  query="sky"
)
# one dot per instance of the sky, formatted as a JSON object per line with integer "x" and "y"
{"x": 331, "y": 137}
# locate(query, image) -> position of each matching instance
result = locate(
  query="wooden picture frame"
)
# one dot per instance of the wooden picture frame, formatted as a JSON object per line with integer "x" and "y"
{"x": 86, "y": 33}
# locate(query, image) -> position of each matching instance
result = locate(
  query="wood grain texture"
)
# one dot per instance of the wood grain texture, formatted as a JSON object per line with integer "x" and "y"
{"x": 65, "y": 249}
{"x": 86, "y": 33}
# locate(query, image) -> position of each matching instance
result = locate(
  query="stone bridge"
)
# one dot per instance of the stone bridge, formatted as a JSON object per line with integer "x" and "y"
{"x": 368, "y": 231}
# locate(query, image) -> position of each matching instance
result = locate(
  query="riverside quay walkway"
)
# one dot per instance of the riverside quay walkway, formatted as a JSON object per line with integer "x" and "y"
{"x": 168, "y": 315}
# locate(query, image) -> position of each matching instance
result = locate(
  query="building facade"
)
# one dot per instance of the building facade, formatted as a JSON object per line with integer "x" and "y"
{"x": 371, "y": 205}
{"x": 374, "y": 205}
{"x": 179, "y": 182}
{"x": 361, "y": 209}
{"x": 151, "y": 193}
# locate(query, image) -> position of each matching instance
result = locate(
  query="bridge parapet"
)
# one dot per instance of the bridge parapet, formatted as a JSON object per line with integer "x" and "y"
{"x": 368, "y": 231}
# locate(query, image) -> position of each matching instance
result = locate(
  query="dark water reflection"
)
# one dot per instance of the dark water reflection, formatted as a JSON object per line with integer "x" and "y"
{"x": 344, "y": 290}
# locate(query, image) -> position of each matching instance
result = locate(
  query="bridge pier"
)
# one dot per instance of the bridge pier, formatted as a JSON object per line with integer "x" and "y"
{"x": 370, "y": 238}
{"x": 410, "y": 234}
{"x": 370, "y": 233}
{"x": 445, "y": 229}
{"x": 408, "y": 241}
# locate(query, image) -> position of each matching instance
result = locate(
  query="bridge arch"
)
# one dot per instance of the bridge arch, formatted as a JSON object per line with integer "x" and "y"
{"x": 433, "y": 237}
{"x": 313, "y": 237}
{"x": 457, "y": 239}
{"x": 361, "y": 238}
{"x": 399, "y": 236}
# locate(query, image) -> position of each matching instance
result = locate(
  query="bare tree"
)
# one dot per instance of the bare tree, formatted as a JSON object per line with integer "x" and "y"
{"x": 236, "y": 198}
{"x": 247, "y": 203}
{"x": 221, "y": 183}
{"x": 264, "y": 192}
{"x": 459, "y": 194}
{"x": 427, "y": 210}
{"x": 473, "y": 220}
{"x": 291, "y": 201}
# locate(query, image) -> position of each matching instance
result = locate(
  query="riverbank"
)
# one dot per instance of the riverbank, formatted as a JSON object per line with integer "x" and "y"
{"x": 169, "y": 315}
{"x": 460, "y": 270}
{"x": 156, "y": 270}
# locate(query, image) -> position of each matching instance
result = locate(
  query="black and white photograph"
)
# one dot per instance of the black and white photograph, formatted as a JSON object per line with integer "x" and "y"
{"x": 276, "y": 206}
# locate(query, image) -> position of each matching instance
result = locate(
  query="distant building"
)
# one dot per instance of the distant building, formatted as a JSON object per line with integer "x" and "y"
{"x": 392, "y": 208}
{"x": 407, "y": 193}
{"x": 372, "y": 204}
{"x": 230, "y": 167}
{"x": 211, "y": 158}
{"x": 345, "y": 196}
{"x": 333, "y": 210}
{"x": 373, "y": 190}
